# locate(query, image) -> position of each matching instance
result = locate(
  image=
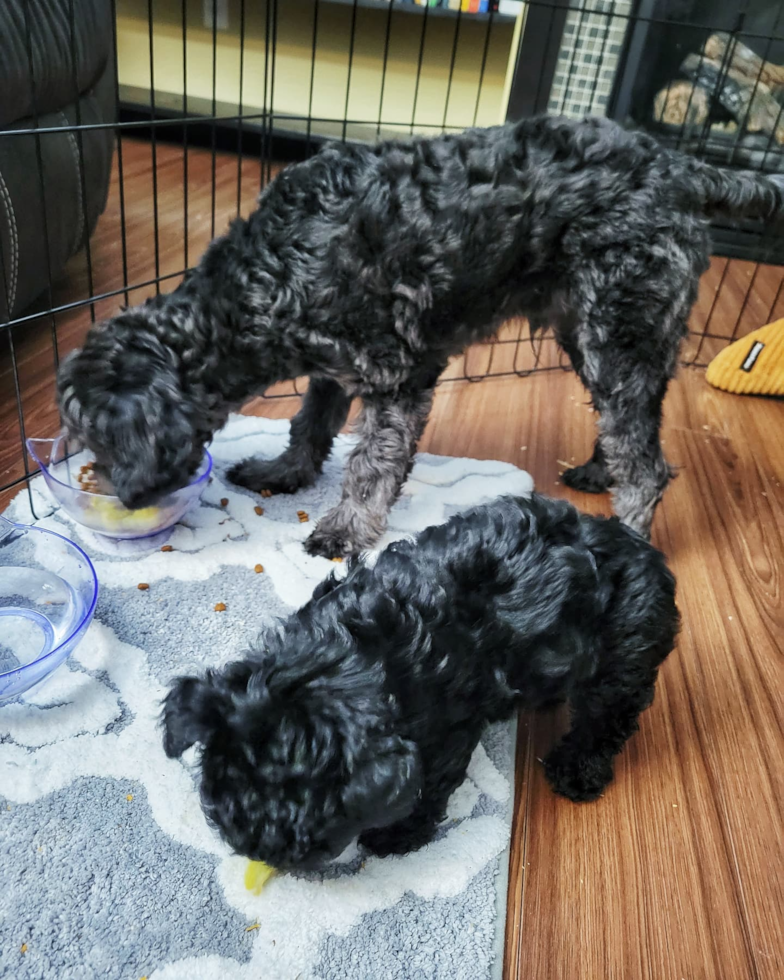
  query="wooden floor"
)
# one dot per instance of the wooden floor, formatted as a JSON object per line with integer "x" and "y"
{"x": 677, "y": 873}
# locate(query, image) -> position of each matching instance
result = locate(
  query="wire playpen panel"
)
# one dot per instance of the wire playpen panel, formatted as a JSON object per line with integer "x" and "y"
{"x": 201, "y": 102}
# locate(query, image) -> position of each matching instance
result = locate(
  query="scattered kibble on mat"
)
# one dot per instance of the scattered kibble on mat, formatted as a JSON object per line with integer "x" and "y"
{"x": 336, "y": 559}
{"x": 224, "y": 501}
{"x": 167, "y": 547}
{"x": 129, "y": 797}
{"x": 303, "y": 516}
{"x": 220, "y": 607}
{"x": 258, "y": 569}
{"x": 259, "y": 510}
{"x": 251, "y": 928}
{"x": 24, "y": 948}
{"x": 257, "y": 874}
{"x": 266, "y": 493}
{"x": 142, "y": 586}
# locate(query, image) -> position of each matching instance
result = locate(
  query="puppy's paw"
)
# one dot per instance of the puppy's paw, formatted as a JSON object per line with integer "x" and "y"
{"x": 340, "y": 535}
{"x": 396, "y": 840}
{"x": 329, "y": 543}
{"x": 577, "y": 776}
{"x": 269, "y": 474}
{"x": 590, "y": 478}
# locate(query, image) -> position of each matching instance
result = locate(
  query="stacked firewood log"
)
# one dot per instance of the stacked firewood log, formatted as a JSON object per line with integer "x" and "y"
{"x": 750, "y": 90}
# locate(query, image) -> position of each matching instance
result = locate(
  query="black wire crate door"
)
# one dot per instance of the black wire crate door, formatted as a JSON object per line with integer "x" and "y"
{"x": 707, "y": 77}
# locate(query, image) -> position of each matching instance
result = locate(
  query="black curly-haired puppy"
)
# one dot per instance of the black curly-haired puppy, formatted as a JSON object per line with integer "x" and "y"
{"x": 359, "y": 714}
{"x": 367, "y": 267}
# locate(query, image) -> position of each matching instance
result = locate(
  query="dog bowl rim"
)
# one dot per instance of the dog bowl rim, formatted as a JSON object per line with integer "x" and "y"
{"x": 108, "y": 496}
{"x": 87, "y": 616}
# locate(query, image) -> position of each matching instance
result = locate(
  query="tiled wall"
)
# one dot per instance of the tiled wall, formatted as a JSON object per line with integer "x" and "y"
{"x": 590, "y": 51}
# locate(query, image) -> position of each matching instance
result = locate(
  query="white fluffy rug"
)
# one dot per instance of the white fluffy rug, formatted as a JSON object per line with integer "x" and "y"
{"x": 108, "y": 867}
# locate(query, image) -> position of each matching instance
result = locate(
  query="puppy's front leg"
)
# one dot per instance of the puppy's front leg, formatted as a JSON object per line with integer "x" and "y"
{"x": 406, "y": 835}
{"x": 604, "y": 716}
{"x": 313, "y": 429}
{"x": 389, "y": 428}
{"x": 445, "y": 770}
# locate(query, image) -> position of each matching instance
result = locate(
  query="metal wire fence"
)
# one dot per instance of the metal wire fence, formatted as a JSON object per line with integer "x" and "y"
{"x": 202, "y": 102}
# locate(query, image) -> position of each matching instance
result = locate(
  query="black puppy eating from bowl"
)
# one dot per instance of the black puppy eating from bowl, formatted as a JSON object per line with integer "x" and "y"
{"x": 358, "y": 715}
{"x": 368, "y": 267}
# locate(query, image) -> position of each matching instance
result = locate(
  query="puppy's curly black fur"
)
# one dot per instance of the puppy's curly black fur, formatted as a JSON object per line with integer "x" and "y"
{"x": 359, "y": 714}
{"x": 367, "y": 267}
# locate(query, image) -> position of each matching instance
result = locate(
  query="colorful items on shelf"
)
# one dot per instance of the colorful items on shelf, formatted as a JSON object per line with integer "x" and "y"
{"x": 509, "y": 8}
{"x": 466, "y": 6}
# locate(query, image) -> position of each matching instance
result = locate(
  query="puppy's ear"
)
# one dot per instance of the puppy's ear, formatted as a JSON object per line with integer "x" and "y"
{"x": 385, "y": 787}
{"x": 150, "y": 437}
{"x": 192, "y": 711}
{"x": 122, "y": 397}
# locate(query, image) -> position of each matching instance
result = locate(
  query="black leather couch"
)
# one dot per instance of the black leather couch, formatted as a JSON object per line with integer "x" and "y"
{"x": 50, "y": 200}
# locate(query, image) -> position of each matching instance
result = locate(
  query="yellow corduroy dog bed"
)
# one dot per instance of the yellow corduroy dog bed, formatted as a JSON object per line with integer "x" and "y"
{"x": 753, "y": 365}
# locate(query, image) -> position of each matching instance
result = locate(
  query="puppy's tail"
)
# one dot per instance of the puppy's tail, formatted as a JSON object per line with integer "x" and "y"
{"x": 734, "y": 193}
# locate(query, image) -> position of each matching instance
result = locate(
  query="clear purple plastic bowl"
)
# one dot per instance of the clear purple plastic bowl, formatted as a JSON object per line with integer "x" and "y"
{"x": 48, "y": 591}
{"x": 106, "y": 514}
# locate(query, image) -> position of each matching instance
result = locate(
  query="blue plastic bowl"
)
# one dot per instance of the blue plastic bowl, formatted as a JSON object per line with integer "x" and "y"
{"x": 48, "y": 591}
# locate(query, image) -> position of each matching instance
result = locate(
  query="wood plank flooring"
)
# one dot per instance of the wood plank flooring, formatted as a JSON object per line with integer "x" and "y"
{"x": 677, "y": 870}
{"x": 677, "y": 873}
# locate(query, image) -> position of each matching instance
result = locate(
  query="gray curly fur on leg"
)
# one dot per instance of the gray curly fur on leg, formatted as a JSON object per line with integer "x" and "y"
{"x": 592, "y": 476}
{"x": 313, "y": 429}
{"x": 389, "y": 428}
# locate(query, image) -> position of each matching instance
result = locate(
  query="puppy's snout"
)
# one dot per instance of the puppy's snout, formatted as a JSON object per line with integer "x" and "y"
{"x": 135, "y": 501}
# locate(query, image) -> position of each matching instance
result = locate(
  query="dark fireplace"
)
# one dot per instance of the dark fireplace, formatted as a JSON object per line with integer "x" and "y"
{"x": 707, "y": 76}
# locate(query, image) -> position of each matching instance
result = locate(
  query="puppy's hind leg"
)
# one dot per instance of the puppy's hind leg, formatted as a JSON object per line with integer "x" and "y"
{"x": 324, "y": 410}
{"x": 630, "y": 438}
{"x": 592, "y": 476}
{"x": 389, "y": 429}
{"x": 627, "y": 368}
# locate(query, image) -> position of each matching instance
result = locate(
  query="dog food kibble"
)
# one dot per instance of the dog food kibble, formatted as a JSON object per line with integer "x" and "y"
{"x": 167, "y": 547}
{"x": 258, "y": 569}
{"x": 336, "y": 559}
{"x": 303, "y": 516}
{"x": 220, "y": 607}
{"x": 142, "y": 586}
{"x": 224, "y": 501}
{"x": 259, "y": 510}
{"x": 86, "y": 479}
{"x": 266, "y": 493}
